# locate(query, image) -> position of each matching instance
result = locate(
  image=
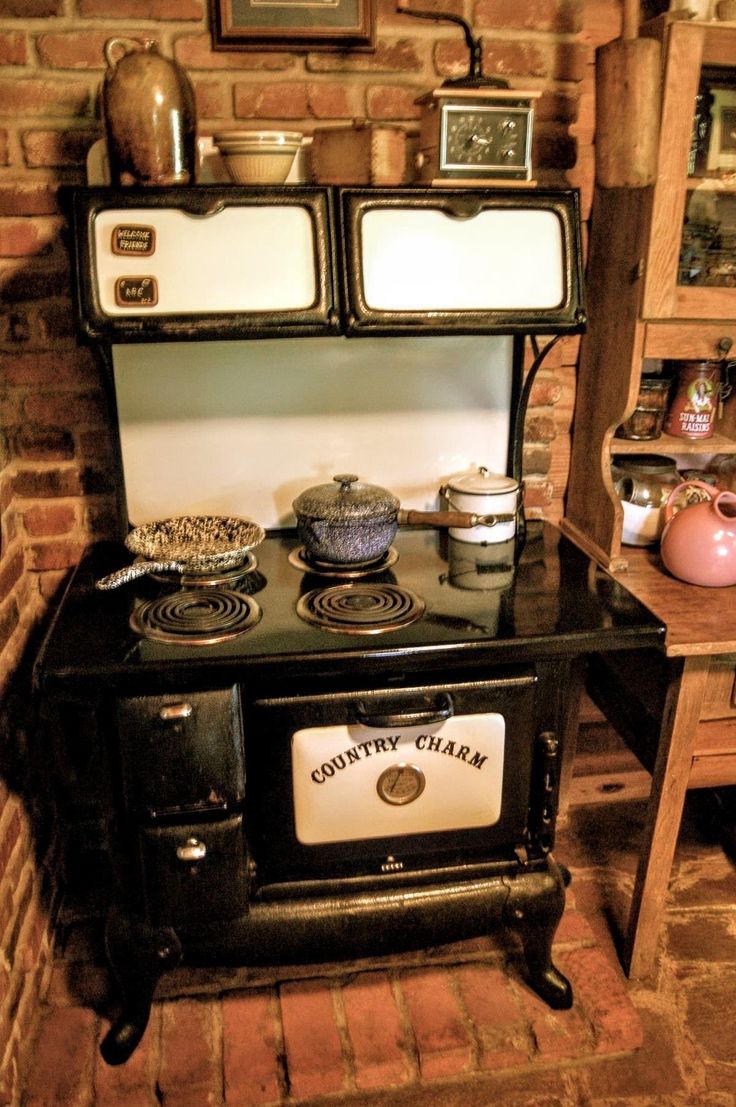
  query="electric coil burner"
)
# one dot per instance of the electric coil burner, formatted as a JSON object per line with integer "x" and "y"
{"x": 362, "y": 608}
{"x": 275, "y": 793}
{"x": 197, "y": 616}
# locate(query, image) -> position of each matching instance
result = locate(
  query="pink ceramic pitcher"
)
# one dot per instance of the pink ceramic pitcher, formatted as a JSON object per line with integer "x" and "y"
{"x": 698, "y": 542}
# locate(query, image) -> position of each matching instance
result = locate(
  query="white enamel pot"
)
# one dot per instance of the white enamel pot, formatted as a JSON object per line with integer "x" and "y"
{"x": 487, "y": 494}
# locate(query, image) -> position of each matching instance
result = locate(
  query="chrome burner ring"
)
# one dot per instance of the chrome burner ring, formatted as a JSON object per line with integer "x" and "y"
{"x": 196, "y": 616}
{"x": 360, "y": 608}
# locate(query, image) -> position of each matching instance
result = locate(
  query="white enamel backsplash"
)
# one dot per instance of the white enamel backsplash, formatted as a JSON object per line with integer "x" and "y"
{"x": 243, "y": 427}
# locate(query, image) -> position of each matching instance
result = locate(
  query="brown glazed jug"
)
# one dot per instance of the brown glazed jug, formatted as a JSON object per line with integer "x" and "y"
{"x": 150, "y": 116}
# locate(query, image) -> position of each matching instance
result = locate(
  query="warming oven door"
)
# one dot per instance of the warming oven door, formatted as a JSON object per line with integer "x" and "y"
{"x": 389, "y": 780}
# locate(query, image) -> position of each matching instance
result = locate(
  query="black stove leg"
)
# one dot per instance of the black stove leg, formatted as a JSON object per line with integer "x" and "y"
{"x": 535, "y": 914}
{"x": 139, "y": 955}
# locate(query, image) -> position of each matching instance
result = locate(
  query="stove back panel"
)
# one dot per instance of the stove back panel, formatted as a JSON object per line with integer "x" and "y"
{"x": 244, "y": 427}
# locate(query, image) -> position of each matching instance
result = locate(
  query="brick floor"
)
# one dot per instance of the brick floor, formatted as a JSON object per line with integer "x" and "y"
{"x": 410, "y": 1024}
{"x": 448, "y": 1027}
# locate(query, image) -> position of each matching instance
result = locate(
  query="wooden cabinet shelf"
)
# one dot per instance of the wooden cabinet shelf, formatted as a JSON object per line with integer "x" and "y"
{"x": 668, "y": 445}
{"x": 637, "y": 309}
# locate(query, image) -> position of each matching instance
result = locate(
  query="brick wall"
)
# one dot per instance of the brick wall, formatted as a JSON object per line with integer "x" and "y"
{"x": 56, "y": 482}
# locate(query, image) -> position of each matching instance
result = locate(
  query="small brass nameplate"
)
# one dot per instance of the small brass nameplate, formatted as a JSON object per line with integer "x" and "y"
{"x": 136, "y": 292}
{"x": 133, "y": 238}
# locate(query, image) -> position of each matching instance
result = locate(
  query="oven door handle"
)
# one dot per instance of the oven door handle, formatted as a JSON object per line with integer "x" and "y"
{"x": 443, "y": 709}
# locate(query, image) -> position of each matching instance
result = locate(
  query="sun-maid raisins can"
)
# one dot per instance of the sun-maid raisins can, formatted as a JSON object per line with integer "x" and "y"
{"x": 694, "y": 404}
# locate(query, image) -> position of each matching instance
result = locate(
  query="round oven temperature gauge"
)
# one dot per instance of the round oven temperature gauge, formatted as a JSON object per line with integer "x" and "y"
{"x": 400, "y": 783}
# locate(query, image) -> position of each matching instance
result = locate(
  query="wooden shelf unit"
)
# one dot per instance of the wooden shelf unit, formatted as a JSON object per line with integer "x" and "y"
{"x": 685, "y": 736}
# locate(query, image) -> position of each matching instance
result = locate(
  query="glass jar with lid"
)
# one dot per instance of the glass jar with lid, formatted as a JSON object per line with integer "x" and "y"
{"x": 643, "y": 483}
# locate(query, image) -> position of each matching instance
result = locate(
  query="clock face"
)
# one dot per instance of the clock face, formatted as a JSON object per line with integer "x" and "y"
{"x": 487, "y": 140}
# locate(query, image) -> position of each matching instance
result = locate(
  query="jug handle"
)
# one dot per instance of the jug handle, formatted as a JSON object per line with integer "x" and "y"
{"x": 113, "y": 43}
{"x": 669, "y": 507}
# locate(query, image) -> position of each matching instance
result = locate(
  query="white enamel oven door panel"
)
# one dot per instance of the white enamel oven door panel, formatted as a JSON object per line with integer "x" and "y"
{"x": 378, "y": 779}
{"x": 353, "y": 782}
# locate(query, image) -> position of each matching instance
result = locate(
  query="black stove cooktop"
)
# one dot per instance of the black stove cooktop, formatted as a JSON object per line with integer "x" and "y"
{"x": 555, "y": 602}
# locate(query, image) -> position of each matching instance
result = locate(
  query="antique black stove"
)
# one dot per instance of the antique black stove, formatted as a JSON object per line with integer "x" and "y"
{"x": 299, "y": 762}
{"x": 281, "y": 791}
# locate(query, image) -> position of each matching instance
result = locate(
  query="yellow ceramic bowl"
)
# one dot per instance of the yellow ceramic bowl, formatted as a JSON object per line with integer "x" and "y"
{"x": 258, "y": 157}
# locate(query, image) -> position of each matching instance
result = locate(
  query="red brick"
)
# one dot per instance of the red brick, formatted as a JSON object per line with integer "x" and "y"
{"x": 395, "y": 55}
{"x": 196, "y": 51}
{"x": 54, "y": 320}
{"x": 271, "y": 101}
{"x": 63, "y": 1058}
{"x": 75, "y": 50}
{"x": 62, "y": 408}
{"x": 47, "y": 445}
{"x": 558, "y": 1034}
{"x": 442, "y": 1036}
{"x": 334, "y": 101}
{"x": 31, "y": 9}
{"x": 134, "y": 1083}
{"x": 311, "y": 1040}
{"x": 49, "y": 519}
{"x": 20, "y": 238}
{"x": 21, "y": 283}
{"x": 13, "y": 48}
{"x": 489, "y": 999}
{"x": 143, "y": 9}
{"x": 546, "y": 391}
{"x": 391, "y": 102}
{"x": 56, "y": 149}
{"x": 381, "y": 1052}
{"x": 34, "y": 97}
{"x": 540, "y": 428}
{"x": 574, "y": 927}
{"x": 562, "y": 16}
{"x": 53, "y": 555}
{"x": 190, "y": 1074}
{"x": 251, "y": 1046}
{"x": 212, "y": 99}
{"x": 45, "y": 368}
{"x": 45, "y": 480}
{"x": 600, "y": 989}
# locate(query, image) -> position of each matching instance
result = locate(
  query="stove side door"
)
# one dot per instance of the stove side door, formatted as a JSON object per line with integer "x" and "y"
{"x": 180, "y": 753}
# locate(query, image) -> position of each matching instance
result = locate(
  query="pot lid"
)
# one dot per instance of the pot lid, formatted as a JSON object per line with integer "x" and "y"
{"x": 481, "y": 482}
{"x": 347, "y": 499}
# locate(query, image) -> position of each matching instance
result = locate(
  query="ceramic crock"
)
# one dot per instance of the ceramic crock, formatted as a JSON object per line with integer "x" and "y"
{"x": 699, "y": 541}
{"x": 483, "y": 493}
{"x": 150, "y": 116}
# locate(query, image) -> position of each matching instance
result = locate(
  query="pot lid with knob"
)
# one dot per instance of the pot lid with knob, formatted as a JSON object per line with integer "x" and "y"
{"x": 346, "y": 500}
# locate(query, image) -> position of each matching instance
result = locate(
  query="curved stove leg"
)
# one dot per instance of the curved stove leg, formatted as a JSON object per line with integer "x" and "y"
{"x": 138, "y": 955}
{"x": 535, "y": 913}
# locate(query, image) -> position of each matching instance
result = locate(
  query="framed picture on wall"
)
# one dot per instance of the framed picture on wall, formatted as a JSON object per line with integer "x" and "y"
{"x": 293, "y": 24}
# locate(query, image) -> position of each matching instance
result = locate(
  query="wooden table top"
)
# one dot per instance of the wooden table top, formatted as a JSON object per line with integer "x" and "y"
{"x": 699, "y": 620}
